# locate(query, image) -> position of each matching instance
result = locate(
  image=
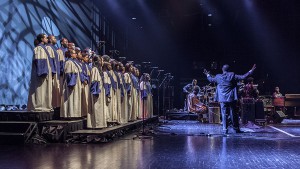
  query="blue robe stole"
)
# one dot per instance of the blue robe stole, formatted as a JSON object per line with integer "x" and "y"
{"x": 113, "y": 83}
{"x": 85, "y": 70}
{"x": 42, "y": 64}
{"x": 135, "y": 82}
{"x": 79, "y": 66}
{"x": 62, "y": 63}
{"x": 106, "y": 85}
{"x": 147, "y": 91}
{"x": 71, "y": 78}
{"x": 56, "y": 60}
{"x": 124, "y": 85}
{"x": 95, "y": 86}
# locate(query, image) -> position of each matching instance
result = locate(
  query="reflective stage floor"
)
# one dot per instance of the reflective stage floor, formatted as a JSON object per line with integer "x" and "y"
{"x": 176, "y": 144}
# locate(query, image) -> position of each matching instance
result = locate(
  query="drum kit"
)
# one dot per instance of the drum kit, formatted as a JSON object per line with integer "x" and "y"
{"x": 207, "y": 94}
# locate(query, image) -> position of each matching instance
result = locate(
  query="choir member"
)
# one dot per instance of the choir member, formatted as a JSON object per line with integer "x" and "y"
{"x": 52, "y": 50}
{"x": 86, "y": 99}
{"x": 40, "y": 91}
{"x": 98, "y": 116}
{"x": 146, "y": 95}
{"x": 72, "y": 87}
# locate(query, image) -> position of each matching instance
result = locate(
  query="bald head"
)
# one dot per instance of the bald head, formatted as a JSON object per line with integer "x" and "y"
{"x": 52, "y": 40}
{"x": 225, "y": 68}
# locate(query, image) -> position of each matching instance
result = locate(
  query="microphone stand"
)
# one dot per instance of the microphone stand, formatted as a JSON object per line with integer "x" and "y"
{"x": 158, "y": 87}
{"x": 164, "y": 88}
{"x": 113, "y": 52}
{"x": 100, "y": 45}
{"x": 143, "y": 135}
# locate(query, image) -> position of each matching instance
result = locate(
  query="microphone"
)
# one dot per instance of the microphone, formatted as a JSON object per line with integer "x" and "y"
{"x": 160, "y": 70}
{"x": 122, "y": 58}
{"x": 154, "y": 67}
{"x": 146, "y": 62}
{"x": 114, "y": 52}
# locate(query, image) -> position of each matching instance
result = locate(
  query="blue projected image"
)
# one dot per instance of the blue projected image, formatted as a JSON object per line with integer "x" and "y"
{"x": 21, "y": 22}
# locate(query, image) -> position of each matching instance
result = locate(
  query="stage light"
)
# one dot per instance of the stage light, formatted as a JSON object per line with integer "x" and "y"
{"x": 209, "y": 14}
{"x": 133, "y": 18}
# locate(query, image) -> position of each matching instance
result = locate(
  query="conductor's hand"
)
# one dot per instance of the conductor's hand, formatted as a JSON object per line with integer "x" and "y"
{"x": 206, "y": 72}
{"x": 253, "y": 68}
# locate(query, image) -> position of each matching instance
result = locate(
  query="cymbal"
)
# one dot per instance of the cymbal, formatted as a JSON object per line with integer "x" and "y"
{"x": 209, "y": 87}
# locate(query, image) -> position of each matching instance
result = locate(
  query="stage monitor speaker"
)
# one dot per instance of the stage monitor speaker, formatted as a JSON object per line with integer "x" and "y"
{"x": 278, "y": 117}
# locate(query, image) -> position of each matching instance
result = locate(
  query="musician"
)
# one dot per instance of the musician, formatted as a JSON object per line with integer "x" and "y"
{"x": 278, "y": 100}
{"x": 249, "y": 97}
{"x": 195, "y": 105}
{"x": 226, "y": 94}
{"x": 240, "y": 86}
{"x": 277, "y": 93}
{"x": 187, "y": 89}
{"x": 250, "y": 90}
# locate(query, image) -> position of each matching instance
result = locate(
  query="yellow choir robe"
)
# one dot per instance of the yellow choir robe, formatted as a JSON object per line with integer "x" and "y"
{"x": 86, "y": 97}
{"x": 62, "y": 66}
{"x": 128, "y": 89}
{"x": 108, "y": 90}
{"x": 113, "y": 108}
{"x": 97, "y": 117}
{"x": 146, "y": 100}
{"x": 133, "y": 115}
{"x": 71, "y": 97}
{"x": 122, "y": 99}
{"x": 40, "y": 90}
{"x": 56, "y": 95}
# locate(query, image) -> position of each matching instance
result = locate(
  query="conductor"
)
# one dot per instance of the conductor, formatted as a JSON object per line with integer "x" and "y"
{"x": 226, "y": 95}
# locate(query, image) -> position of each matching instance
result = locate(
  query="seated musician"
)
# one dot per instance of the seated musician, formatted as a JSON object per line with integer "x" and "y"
{"x": 187, "y": 89}
{"x": 278, "y": 99}
{"x": 250, "y": 90}
{"x": 195, "y": 105}
{"x": 277, "y": 93}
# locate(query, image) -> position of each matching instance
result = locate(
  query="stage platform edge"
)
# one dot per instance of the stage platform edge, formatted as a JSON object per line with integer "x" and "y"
{"x": 106, "y": 134}
{"x": 24, "y": 115}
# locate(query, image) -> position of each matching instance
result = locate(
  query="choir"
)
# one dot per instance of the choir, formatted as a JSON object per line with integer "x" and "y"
{"x": 83, "y": 84}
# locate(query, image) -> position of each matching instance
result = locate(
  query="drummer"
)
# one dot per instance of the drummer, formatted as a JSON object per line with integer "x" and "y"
{"x": 195, "y": 105}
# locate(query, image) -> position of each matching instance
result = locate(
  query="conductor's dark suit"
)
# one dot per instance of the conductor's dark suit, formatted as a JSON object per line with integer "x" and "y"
{"x": 226, "y": 94}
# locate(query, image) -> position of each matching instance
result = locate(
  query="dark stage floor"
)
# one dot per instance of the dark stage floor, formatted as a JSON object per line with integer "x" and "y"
{"x": 176, "y": 144}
